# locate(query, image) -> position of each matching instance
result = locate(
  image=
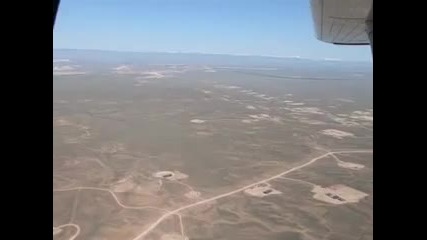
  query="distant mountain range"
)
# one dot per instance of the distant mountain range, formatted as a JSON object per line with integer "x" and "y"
{"x": 115, "y": 57}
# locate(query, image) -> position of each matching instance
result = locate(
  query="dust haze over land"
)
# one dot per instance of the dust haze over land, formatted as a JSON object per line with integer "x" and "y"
{"x": 164, "y": 146}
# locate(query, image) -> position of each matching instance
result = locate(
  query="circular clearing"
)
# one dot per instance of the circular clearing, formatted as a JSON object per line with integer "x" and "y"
{"x": 164, "y": 174}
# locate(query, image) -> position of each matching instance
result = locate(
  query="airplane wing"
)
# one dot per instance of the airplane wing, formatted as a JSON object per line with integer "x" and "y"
{"x": 343, "y": 22}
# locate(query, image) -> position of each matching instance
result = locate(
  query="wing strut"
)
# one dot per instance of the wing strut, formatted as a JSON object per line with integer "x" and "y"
{"x": 370, "y": 28}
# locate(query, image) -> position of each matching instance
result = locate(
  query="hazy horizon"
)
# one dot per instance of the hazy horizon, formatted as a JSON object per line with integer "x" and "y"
{"x": 214, "y": 54}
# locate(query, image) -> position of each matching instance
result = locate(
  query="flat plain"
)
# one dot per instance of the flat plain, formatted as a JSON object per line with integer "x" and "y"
{"x": 174, "y": 152}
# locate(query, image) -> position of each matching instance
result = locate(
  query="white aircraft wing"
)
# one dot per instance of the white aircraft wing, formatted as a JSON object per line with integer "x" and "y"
{"x": 345, "y": 22}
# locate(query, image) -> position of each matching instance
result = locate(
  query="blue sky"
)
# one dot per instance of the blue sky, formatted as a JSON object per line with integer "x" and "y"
{"x": 250, "y": 27}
